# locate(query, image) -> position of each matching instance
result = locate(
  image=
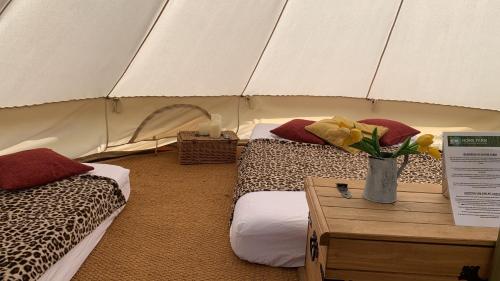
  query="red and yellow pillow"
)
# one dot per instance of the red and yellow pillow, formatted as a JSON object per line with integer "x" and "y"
{"x": 333, "y": 131}
{"x": 338, "y": 131}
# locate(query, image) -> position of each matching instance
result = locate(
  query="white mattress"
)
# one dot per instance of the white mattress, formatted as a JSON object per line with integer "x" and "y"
{"x": 66, "y": 267}
{"x": 270, "y": 227}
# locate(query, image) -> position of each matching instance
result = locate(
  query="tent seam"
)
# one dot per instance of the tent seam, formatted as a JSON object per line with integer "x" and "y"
{"x": 264, "y": 49}
{"x": 5, "y": 7}
{"x": 106, "y": 119}
{"x": 256, "y": 66}
{"x": 384, "y": 49}
{"x": 139, "y": 49}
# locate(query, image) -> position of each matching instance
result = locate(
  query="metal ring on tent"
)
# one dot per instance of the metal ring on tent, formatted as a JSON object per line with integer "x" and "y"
{"x": 158, "y": 111}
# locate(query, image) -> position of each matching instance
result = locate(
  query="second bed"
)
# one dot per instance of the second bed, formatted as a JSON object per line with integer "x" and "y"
{"x": 269, "y": 222}
{"x": 269, "y": 227}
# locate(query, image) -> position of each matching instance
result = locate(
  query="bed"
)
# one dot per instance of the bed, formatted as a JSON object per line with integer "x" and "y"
{"x": 269, "y": 221}
{"x": 270, "y": 227}
{"x": 65, "y": 268}
{"x": 70, "y": 262}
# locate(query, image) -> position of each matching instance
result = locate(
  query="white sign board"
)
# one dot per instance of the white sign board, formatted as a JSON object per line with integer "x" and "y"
{"x": 472, "y": 164}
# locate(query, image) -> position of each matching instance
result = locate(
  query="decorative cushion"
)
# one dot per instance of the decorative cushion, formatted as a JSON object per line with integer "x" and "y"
{"x": 295, "y": 130}
{"x": 36, "y": 167}
{"x": 398, "y": 132}
{"x": 337, "y": 129}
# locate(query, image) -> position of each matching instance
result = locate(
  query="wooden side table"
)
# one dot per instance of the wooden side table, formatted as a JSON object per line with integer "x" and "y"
{"x": 414, "y": 239}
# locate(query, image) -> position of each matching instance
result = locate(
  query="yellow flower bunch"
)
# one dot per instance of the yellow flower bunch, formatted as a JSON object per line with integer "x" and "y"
{"x": 423, "y": 146}
{"x": 372, "y": 147}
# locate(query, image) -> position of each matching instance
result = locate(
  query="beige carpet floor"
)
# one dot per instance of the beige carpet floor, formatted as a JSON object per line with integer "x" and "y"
{"x": 174, "y": 227}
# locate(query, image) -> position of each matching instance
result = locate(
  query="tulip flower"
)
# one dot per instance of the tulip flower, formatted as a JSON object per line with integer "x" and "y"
{"x": 425, "y": 140}
{"x": 355, "y": 135}
{"x": 434, "y": 152}
{"x": 423, "y": 146}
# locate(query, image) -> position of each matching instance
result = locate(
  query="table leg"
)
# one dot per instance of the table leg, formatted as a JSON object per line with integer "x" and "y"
{"x": 495, "y": 274}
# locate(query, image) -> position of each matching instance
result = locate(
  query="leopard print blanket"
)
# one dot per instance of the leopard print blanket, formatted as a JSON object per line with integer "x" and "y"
{"x": 277, "y": 165}
{"x": 38, "y": 226}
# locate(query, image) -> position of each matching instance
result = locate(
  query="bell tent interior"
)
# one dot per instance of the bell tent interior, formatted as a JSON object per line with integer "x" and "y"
{"x": 93, "y": 79}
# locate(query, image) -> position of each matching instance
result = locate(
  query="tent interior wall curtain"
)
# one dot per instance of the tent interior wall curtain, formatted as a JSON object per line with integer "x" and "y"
{"x": 71, "y": 128}
{"x": 205, "y": 51}
{"x": 77, "y": 128}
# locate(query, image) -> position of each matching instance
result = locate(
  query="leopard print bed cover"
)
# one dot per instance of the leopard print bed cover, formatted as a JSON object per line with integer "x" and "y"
{"x": 38, "y": 226}
{"x": 277, "y": 165}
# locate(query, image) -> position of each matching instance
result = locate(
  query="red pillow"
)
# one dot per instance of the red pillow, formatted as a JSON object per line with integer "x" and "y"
{"x": 294, "y": 130}
{"x": 36, "y": 167}
{"x": 397, "y": 133}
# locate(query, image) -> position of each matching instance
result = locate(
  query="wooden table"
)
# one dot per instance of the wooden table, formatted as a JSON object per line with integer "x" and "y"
{"x": 412, "y": 239}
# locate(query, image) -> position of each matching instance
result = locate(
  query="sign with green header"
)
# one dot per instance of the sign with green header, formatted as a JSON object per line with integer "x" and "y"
{"x": 472, "y": 169}
{"x": 474, "y": 141}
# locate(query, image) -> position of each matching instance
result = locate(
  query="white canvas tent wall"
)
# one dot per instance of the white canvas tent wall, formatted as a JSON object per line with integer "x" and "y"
{"x": 431, "y": 64}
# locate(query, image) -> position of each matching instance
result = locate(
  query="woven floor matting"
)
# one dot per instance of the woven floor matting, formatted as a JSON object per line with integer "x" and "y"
{"x": 174, "y": 227}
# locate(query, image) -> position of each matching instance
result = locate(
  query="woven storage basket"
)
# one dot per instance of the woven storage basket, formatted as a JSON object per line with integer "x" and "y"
{"x": 194, "y": 149}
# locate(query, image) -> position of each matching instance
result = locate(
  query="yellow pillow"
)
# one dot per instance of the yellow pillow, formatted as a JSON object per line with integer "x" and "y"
{"x": 337, "y": 129}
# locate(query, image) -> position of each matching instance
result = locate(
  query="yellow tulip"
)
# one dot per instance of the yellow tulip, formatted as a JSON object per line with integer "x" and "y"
{"x": 434, "y": 152}
{"x": 355, "y": 135}
{"x": 425, "y": 140}
{"x": 423, "y": 149}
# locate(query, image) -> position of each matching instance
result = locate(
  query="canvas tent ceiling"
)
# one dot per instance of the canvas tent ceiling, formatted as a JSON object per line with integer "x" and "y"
{"x": 62, "y": 50}
{"x": 201, "y": 48}
{"x": 321, "y": 49}
{"x": 443, "y": 52}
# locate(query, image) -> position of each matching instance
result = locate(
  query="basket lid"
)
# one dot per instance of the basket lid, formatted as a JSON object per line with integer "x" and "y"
{"x": 193, "y": 135}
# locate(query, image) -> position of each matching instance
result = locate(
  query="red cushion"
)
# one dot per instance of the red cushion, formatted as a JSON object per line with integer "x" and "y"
{"x": 294, "y": 130}
{"x": 36, "y": 167}
{"x": 398, "y": 132}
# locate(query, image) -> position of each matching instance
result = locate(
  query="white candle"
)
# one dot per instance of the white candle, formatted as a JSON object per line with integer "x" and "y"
{"x": 216, "y": 117}
{"x": 214, "y": 130}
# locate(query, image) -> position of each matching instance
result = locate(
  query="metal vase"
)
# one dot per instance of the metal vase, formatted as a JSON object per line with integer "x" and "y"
{"x": 382, "y": 179}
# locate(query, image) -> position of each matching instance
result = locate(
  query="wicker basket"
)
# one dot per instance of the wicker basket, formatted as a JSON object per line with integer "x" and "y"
{"x": 194, "y": 149}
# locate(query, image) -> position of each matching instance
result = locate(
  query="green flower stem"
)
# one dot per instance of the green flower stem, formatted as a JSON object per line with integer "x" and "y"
{"x": 402, "y": 148}
{"x": 375, "y": 143}
{"x": 372, "y": 147}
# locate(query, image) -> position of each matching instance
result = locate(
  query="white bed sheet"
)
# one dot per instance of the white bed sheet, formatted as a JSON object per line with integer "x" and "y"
{"x": 270, "y": 227}
{"x": 66, "y": 267}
